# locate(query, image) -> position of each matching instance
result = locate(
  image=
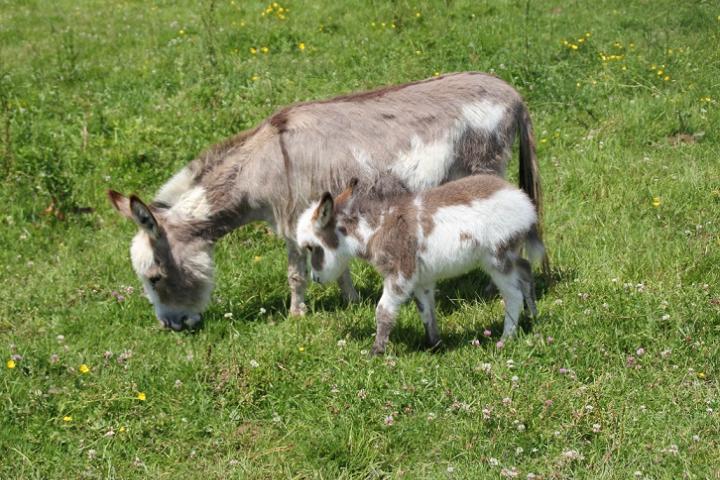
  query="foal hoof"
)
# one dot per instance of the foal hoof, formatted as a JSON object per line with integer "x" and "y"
{"x": 298, "y": 310}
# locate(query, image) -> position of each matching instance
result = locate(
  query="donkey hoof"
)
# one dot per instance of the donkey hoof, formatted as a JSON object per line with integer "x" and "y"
{"x": 377, "y": 350}
{"x": 434, "y": 346}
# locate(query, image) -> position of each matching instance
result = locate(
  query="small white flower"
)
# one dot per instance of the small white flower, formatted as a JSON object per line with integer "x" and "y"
{"x": 696, "y": 438}
{"x": 228, "y": 315}
{"x": 254, "y": 363}
{"x": 572, "y": 455}
{"x": 450, "y": 469}
{"x": 341, "y": 343}
{"x": 494, "y": 462}
{"x": 431, "y": 416}
{"x": 514, "y": 379}
{"x": 519, "y": 451}
{"x": 262, "y": 311}
{"x": 596, "y": 427}
{"x": 666, "y": 317}
{"x": 521, "y": 427}
{"x": 485, "y": 367}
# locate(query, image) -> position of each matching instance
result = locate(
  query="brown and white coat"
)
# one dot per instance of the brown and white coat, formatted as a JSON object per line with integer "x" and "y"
{"x": 401, "y": 138}
{"x": 414, "y": 240}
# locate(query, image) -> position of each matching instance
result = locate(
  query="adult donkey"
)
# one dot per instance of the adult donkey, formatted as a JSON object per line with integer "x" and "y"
{"x": 412, "y": 136}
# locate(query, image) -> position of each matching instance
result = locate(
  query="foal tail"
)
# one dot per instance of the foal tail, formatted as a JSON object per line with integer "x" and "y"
{"x": 529, "y": 176}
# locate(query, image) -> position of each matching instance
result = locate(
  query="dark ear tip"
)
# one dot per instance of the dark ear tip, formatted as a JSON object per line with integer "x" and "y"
{"x": 325, "y": 197}
{"x": 353, "y": 182}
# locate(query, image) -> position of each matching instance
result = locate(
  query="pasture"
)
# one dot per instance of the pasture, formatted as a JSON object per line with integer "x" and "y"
{"x": 617, "y": 378}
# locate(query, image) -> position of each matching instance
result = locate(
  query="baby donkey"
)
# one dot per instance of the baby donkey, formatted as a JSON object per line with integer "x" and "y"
{"x": 416, "y": 239}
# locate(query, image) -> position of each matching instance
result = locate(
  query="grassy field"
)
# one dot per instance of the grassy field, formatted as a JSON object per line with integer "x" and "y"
{"x": 618, "y": 378}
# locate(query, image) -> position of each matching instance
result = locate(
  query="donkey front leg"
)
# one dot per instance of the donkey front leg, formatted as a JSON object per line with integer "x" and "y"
{"x": 385, "y": 313}
{"x": 425, "y": 302}
{"x": 297, "y": 278}
{"x": 346, "y": 286}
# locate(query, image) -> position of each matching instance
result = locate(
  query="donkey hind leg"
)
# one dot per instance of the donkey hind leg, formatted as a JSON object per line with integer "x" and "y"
{"x": 509, "y": 286}
{"x": 297, "y": 278}
{"x": 527, "y": 285}
{"x": 346, "y": 286}
{"x": 425, "y": 302}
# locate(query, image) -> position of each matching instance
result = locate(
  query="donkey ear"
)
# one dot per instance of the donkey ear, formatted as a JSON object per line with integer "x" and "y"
{"x": 324, "y": 212}
{"x": 346, "y": 194}
{"x": 140, "y": 213}
{"x": 121, "y": 203}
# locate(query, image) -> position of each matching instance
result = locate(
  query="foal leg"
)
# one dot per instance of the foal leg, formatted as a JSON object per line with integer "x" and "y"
{"x": 297, "y": 278}
{"x": 385, "y": 313}
{"x": 527, "y": 285}
{"x": 425, "y": 302}
{"x": 346, "y": 286}
{"x": 509, "y": 286}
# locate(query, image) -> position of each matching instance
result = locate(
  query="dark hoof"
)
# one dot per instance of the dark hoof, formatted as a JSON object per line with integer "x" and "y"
{"x": 434, "y": 347}
{"x": 377, "y": 351}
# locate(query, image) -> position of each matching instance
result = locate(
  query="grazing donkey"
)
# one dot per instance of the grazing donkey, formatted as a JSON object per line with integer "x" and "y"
{"x": 416, "y": 239}
{"x": 412, "y": 137}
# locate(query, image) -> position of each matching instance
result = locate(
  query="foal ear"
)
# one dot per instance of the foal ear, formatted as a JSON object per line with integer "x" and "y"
{"x": 141, "y": 214}
{"x": 324, "y": 212}
{"x": 120, "y": 202}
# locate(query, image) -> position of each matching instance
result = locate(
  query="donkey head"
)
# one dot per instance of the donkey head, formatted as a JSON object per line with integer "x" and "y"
{"x": 319, "y": 232}
{"x": 175, "y": 268}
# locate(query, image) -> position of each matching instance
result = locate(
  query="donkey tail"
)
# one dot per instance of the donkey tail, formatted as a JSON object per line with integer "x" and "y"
{"x": 529, "y": 175}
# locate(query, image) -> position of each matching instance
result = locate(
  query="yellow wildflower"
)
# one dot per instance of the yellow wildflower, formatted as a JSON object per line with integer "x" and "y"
{"x": 67, "y": 418}
{"x": 257, "y": 258}
{"x": 254, "y": 78}
{"x": 372, "y": 24}
{"x": 182, "y": 32}
{"x": 84, "y": 368}
{"x": 417, "y": 52}
{"x": 666, "y": 77}
{"x": 392, "y": 25}
{"x": 587, "y": 34}
{"x": 660, "y": 72}
{"x": 301, "y": 349}
{"x": 701, "y": 375}
{"x": 417, "y": 14}
{"x": 141, "y": 396}
{"x": 264, "y": 49}
{"x": 10, "y": 363}
{"x": 121, "y": 429}
{"x": 253, "y": 50}
{"x": 301, "y": 46}
{"x": 573, "y": 46}
{"x": 656, "y": 202}
{"x": 543, "y": 140}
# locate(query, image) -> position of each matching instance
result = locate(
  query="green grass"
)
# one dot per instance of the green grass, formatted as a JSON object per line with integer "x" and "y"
{"x": 120, "y": 94}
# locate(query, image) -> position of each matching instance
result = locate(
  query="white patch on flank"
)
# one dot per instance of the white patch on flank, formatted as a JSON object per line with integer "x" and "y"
{"x": 426, "y": 164}
{"x": 491, "y": 222}
{"x": 174, "y": 188}
{"x": 484, "y": 115}
{"x": 192, "y": 204}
